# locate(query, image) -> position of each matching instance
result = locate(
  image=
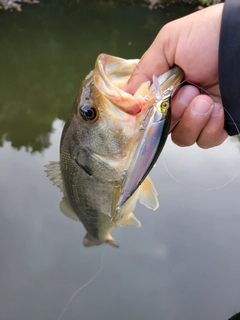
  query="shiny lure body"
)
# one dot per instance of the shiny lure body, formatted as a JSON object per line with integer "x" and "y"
{"x": 155, "y": 128}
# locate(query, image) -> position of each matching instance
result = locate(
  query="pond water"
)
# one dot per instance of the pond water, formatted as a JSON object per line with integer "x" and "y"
{"x": 184, "y": 261}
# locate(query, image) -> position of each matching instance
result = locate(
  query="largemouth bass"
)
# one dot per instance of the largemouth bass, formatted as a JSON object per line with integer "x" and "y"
{"x": 99, "y": 172}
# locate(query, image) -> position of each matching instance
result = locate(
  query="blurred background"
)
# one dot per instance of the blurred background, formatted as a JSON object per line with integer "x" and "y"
{"x": 184, "y": 261}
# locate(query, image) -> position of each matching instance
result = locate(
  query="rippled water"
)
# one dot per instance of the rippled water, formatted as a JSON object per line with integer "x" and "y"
{"x": 182, "y": 264}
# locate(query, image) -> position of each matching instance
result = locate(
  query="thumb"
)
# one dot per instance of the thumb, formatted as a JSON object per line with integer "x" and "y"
{"x": 155, "y": 61}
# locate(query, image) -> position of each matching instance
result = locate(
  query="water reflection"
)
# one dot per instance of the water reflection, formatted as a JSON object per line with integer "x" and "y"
{"x": 47, "y": 50}
{"x": 183, "y": 263}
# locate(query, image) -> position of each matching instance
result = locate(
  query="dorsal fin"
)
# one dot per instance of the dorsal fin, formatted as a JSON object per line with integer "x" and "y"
{"x": 148, "y": 194}
{"x": 67, "y": 210}
{"x": 53, "y": 171}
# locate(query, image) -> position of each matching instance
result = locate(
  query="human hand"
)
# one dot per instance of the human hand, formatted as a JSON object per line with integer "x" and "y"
{"x": 191, "y": 43}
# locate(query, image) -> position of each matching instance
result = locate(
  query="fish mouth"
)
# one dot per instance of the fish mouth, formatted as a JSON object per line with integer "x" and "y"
{"x": 115, "y": 71}
{"x": 112, "y": 74}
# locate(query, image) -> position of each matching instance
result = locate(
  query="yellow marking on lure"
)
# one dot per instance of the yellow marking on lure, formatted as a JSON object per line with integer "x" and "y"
{"x": 163, "y": 105}
{"x": 149, "y": 132}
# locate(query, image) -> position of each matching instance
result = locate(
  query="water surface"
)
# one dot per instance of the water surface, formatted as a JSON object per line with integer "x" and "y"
{"x": 182, "y": 264}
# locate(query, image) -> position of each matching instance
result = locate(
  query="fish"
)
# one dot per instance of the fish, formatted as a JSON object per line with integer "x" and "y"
{"x": 107, "y": 132}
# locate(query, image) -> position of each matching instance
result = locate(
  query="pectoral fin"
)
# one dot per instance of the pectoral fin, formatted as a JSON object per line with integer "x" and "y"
{"x": 148, "y": 194}
{"x": 53, "y": 172}
{"x": 67, "y": 210}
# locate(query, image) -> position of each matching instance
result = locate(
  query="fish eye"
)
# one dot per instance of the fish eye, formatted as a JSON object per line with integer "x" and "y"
{"x": 88, "y": 112}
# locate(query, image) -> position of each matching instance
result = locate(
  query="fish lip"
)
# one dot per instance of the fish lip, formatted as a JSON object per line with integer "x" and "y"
{"x": 114, "y": 65}
{"x": 101, "y": 65}
{"x": 101, "y": 68}
{"x": 122, "y": 100}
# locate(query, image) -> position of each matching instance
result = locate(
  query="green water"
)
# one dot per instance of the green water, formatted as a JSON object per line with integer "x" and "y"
{"x": 48, "y": 49}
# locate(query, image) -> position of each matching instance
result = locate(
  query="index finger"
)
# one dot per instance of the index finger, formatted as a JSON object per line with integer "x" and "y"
{"x": 154, "y": 61}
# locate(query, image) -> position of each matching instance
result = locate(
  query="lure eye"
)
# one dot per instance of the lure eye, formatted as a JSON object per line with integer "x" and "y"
{"x": 88, "y": 112}
{"x": 165, "y": 105}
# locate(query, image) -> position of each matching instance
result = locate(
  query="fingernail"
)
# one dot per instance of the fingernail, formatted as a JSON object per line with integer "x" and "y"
{"x": 217, "y": 108}
{"x": 187, "y": 94}
{"x": 201, "y": 107}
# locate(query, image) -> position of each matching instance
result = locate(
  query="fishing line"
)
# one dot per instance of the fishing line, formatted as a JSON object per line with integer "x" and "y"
{"x": 176, "y": 123}
{"x": 83, "y": 286}
{"x": 199, "y": 188}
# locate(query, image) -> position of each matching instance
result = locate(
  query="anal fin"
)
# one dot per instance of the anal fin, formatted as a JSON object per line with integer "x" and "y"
{"x": 130, "y": 221}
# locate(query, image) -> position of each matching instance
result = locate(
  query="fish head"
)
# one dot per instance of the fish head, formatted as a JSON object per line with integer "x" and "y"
{"x": 104, "y": 122}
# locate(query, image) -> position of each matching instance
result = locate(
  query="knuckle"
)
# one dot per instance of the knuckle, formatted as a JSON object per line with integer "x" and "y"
{"x": 181, "y": 141}
{"x": 204, "y": 145}
{"x": 208, "y": 139}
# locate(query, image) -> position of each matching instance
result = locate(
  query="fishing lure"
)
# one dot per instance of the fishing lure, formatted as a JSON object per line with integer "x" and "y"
{"x": 155, "y": 128}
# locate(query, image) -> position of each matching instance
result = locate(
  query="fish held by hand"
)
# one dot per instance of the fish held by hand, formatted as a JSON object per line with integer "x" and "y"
{"x": 99, "y": 144}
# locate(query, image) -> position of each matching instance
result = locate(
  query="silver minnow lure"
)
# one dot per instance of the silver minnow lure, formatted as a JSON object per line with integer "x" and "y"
{"x": 155, "y": 128}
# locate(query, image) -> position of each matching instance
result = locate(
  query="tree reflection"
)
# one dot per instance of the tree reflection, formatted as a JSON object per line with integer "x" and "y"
{"x": 48, "y": 49}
